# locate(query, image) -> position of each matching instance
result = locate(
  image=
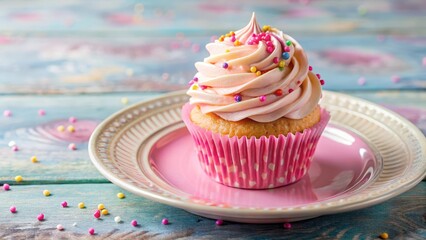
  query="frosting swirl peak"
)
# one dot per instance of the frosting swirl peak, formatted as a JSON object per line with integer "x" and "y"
{"x": 256, "y": 73}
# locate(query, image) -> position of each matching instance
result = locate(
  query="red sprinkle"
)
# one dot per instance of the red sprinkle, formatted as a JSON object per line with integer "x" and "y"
{"x": 275, "y": 60}
{"x": 287, "y": 225}
{"x": 134, "y": 223}
{"x": 12, "y": 209}
{"x": 310, "y": 68}
{"x": 91, "y": 231}
{"x": 165, "y": 221}
{"x": 219, "y": 222}
{"x": 318, "y": 76}
{"x": 290, "y": 90}
{"x": 322, "y": 82}
{"x": 40, "y": 217}
{"x": 64, "y": 204}
{"x": 279, "y": 92}
{"x": 97, "y": 214}
{"x": 262, "y": 98}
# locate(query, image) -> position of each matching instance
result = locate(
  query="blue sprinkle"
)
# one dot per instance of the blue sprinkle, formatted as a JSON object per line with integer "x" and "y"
{"x": 286, "y": 55}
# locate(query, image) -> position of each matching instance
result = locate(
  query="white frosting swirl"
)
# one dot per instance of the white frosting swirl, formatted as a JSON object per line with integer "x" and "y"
{"x": 253, "y": 85}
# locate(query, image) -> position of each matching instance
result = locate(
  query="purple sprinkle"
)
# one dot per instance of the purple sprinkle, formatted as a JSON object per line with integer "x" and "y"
{"x": 225, "y": 65}
{"x": 395, "y": 79}
{"x": 362, "y": 81}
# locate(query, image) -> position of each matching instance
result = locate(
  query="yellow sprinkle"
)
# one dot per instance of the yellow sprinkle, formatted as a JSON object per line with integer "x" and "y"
{"x": 124, "y": 100}
{"x": 60, "y": 128}
{"x": 194, "y": 87}
{"x": 121, "y": 195}
{"x": 221, "y": 38}
{"x": 46, "y": 193}
{"x": 281, "y": 64}
{"x": 266, "y": 28}
{"x": 253, "y": 69}
{"x": 232, "y": 33}
{"x": 81, "y": 205}
{"x": 101, "y": 206}
{"x": 227, "y": 35}
{"x": 34, "y": 159}
{"x": 19, "y": 178}
{"x": 227, "y": 50}
{"x": 384, "y": 236}
{"x": 258, "y": 73}
{"x": 71, "y": 128}
{"x": 237, "y": 43}
{"x": 104, "y": 212}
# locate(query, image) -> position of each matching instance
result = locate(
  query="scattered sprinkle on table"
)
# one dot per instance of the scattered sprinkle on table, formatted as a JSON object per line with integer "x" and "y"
{"x": 165, "y": 221}
{"x": 59, "y": 227}
{"x": 74, "y": 224}
{"x": 124, "y": 100}
{"x": 121, "y": 195}
{"x": 7, "y": 113}
{"x": 104, "y": 212}
{"x": 60, "y": 128}
{"x": 384, "y": 235}
{"x": 81, "y": 205}
{"x": 11, "y": 143}
{"x": 6, "y": 187}
{"x": 71, "y": 128}
{"x": 41, "y": 112}
{"x": 72, "y": 119}
{"x": 64, "y": 204}
{"x": 117, "y": 219}
{"x": 134, "y": 223}
{"x": 395, "y": 79}
{"x": 97, "y": 214}
{"x": 72, "y": 146}
{"x": 424, "y": 61}
{"x": 40, "y": 217}
{"x": 101, "y": 206}
{"x": 219, "y": 222}
{"x": 19, "y": 178}
{"x": 362, "y": 81}
{"x": 46, "y": 193}
{"x": 15, "y": 148}
{"x": 12, "y": 209}
{"x": 34, "y": 159}
{"x": 91, "y": 231}
{"x": 287, "y": 225}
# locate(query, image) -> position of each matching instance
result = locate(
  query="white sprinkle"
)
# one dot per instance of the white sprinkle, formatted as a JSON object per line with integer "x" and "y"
{"x": 59, "y": 227}
{"x": 74, "y": 224}
{"x": 12, "y": 143}
{"x": 117, "y": 219}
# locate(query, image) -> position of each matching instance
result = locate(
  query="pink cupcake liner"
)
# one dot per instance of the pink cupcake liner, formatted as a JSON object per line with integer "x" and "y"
{"x": 255, "y": 163}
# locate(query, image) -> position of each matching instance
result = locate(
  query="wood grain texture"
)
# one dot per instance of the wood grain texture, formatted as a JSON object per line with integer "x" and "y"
{"x": 37, "y": 135}
{"x": 402, "y": 217}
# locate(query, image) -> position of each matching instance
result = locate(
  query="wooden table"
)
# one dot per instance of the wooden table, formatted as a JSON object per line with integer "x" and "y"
{"x": 84, "y": 59}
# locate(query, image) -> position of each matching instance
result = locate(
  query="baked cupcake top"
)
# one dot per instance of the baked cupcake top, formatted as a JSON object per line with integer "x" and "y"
{"x": 256, "y": 73}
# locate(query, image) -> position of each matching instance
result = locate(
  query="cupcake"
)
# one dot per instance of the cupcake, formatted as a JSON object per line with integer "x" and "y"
{"x": 253, "y": 111}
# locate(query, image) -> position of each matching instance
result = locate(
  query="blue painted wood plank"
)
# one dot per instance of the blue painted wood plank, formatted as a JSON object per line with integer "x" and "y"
{"x": 401, "y": 217}
{"x": 126, "y": 64}
{"x": 37, "y": 135}
{"x": 207, "y": 17}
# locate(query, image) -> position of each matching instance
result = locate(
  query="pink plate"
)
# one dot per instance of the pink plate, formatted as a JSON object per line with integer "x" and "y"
{"x": 343, "y": 163}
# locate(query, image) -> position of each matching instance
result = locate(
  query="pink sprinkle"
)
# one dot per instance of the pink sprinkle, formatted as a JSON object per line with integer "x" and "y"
{"x": 233, "y": 39}
{"x": 41, "y": 112}
{"x": 290, "y": 90}
{"x": 322, "y": 82}
{"x": 270, "y": 49}
{"x": 72, "y": 119}
{"x": 318, "y": 76}
{"x": 262, "y": 98}
{"x": 287, "y": 225}
{"x": 361, "y": 81}
{"x": 250, "y": 42}
{"x": 275, "y": 60}
{"x": 310, "y": 68}
{"x": 64, "y": 204}
{"x": 91, "y": 231}
{"x": 195, "y": 79}
{"x": 219, "y": 222}
{"x": 254, "y": 35}
{"x": 395, "y": 79}
{"x": 267, "y": 37}
{"x": 59, "y": 227}
{"x": 72, "y": 146}
{"x": 203, "y": 87}
{"x": 40, "y": 217}
{"x": 6, "y": 187}
{"x": 15, "y": 148}
{"x": 286, "y": 49}
{"x": 165, "y": 221}
{"x": 97, "y": 214}
{"x": 12, "y": 209}
{"x": 269, "y": 43}
{"x": 191, "y": 82}
{"x": 7, "y": 113}
{"x": 213, "y": 38}
{"x": 424, "y": 61}
{"x": 134, "y": 223}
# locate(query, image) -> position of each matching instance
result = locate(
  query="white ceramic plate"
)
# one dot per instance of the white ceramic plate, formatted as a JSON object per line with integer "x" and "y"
{"x": 146, "y": 150}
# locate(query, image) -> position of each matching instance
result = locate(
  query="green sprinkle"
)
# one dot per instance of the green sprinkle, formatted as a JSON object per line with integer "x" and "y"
{"x": 288, "y": 43}
{"x": 281, "y": 68}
